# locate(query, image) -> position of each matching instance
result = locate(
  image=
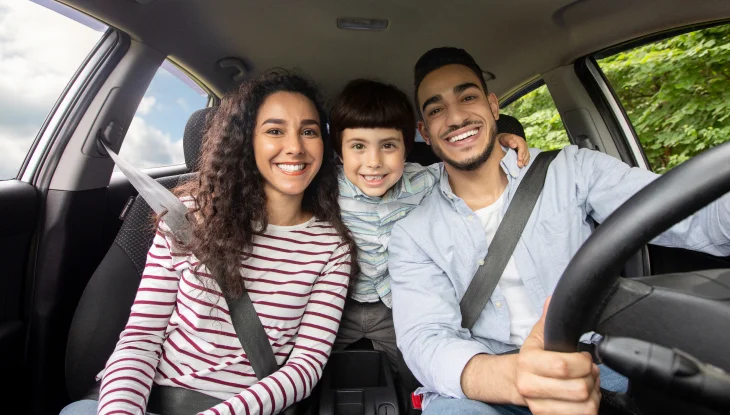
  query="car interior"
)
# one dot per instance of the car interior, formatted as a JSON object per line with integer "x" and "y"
{"x": 74, "y": 236}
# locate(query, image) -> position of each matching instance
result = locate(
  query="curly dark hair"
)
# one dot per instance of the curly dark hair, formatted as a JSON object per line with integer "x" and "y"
{"x": 229, "y": 207}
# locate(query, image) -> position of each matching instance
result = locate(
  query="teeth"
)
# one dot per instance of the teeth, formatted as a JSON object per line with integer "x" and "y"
{"x": 291, "y": 167}
{"x": 463, "y": 136}
{"x": 373, "y": 178}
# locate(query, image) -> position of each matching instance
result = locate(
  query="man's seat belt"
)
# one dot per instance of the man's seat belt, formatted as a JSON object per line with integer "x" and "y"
{"x": 245, "y": 320}
{"x": 505, "y": 240}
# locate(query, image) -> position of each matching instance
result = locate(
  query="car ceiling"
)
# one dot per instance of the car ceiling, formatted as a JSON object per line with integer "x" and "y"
{"x": 516, "y": 40}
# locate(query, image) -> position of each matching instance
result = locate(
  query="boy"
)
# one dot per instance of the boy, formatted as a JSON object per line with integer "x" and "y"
{"x": 373, "y": 127}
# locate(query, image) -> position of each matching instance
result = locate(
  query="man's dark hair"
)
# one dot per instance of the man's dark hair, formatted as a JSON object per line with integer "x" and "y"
{"x": 365, "y": 103}
{"x": 439, "y": 57}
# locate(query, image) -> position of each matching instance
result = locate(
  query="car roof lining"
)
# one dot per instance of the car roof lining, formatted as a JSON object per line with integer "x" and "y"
{"x": 516, "y": 41}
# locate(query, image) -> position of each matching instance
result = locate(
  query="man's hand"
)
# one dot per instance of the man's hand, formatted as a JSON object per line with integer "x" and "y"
{"x": 556, "y": 383}
{"x": 518, "y": 144}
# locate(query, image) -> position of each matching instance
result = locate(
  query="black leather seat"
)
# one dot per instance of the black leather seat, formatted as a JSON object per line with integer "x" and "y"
{"x": 421, "y": 152}
{"x": 104, "y": 307}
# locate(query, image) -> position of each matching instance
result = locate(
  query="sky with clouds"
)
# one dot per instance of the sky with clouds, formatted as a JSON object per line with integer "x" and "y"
{"x": 40, "y": 49}
{"x": 154, "y": 137}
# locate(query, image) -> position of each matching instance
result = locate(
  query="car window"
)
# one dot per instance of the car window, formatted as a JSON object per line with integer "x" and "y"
{"x": 154, "y": 137}
{"x": 41, "y": 47}
{"x": 537, "y": 112}
{"x": 676, "y": 93}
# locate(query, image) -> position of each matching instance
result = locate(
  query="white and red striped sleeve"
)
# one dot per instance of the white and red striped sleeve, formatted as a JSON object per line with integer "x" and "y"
{"x": 295, "y": 380}
{"x": 130, "y": 370}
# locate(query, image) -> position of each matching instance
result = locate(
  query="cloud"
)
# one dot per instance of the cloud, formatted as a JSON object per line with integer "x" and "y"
{"x": 39, "y": 52}
{"x": 146, "y": 146}
{"x": 14, "y": 143}
{"x": 145, "y": 106}
{"x": 183, "y": 104}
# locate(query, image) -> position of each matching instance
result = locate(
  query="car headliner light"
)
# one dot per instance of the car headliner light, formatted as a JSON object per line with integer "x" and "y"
{"x": 358, "y": 23}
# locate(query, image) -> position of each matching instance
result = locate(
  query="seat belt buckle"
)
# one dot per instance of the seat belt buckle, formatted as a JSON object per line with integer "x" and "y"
{"x": 417, "y": 401}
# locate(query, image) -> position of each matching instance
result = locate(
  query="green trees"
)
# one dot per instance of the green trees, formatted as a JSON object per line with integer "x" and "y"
{"x": 676, "y": 93}
{"x": 537, "y": 113}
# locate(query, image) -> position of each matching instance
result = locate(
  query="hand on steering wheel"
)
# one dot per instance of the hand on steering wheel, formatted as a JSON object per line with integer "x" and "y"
{"x": 553, "y": 382}
{"x": 687, "y": 311}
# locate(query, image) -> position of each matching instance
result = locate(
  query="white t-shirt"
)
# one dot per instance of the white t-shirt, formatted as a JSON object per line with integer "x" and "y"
{"x": 522, "y": 315}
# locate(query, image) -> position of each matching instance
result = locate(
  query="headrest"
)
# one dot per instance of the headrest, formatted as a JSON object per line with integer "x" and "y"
{"x": 509, "y": 124}
{"x": 193, "y": 135}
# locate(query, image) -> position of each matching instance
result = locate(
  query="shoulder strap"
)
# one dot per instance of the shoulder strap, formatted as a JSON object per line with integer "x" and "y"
{"x": 245, "y": 320}
{"x": 252, "y": 336}
{"x": 505, "y": 240}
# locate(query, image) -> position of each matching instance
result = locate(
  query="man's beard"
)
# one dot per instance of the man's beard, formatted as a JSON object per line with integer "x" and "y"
{"x": 474, "y": 162}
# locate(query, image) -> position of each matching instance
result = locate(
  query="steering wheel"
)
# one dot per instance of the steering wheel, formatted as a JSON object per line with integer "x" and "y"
{"x": 669, "y": 332}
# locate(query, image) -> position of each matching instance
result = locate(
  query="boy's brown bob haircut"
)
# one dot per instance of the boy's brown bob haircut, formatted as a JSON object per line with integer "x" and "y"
{"x": 365, "y": 103}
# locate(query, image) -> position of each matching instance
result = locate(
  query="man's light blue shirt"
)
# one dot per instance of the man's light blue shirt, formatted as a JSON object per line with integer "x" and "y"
{"x": 370, "y": 220}
{"x": 435, "y": 251}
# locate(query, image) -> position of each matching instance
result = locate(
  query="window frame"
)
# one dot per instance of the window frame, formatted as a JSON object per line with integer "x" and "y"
{"x": 75, "y": 96}
{"x": 604, "y": 96}
{"x": 612, "y": 112}
{"x": 521, "y": 92}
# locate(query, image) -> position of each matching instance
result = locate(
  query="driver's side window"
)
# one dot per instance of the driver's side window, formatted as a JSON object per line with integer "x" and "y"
{"x": 676, "y": 93}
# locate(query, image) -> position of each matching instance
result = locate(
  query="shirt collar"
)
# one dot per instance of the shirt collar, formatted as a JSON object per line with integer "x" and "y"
{"x": 508, "y": 165}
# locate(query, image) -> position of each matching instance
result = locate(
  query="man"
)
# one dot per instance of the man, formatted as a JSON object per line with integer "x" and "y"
{"x": 436, "y": 250}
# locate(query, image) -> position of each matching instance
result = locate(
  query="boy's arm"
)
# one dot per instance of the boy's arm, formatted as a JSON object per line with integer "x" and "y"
{"x": 518, "y": 144}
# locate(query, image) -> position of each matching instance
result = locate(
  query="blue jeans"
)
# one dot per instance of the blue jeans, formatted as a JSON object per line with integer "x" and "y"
{"x": 83, "y": 407}
{"x": 610, "y": 380}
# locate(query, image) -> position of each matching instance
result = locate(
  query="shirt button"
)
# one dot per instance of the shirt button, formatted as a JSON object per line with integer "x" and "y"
{"x": 469, "y": 218}
{"x": 498, "y": 304}
{"x": 481, "y": 262}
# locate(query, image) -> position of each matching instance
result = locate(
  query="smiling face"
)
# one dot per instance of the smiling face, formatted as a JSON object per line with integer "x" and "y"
{"x": 287, "y": 144}
{"x": 373, "y": 158}
{"x": 458, "y": 117}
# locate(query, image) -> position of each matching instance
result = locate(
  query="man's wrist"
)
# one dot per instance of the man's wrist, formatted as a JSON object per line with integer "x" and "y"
{"x": 492, "y": 379}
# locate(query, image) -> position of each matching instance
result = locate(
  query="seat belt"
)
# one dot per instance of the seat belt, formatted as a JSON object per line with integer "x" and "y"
{"x": 245, "y": 320}
{"x": 505, "y": 240}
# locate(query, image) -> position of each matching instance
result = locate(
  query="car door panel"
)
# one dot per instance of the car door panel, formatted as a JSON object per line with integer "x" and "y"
{"x": 68, "y": 252}
{"x": 18, "y": 216}
{"x": 670, "y": 260}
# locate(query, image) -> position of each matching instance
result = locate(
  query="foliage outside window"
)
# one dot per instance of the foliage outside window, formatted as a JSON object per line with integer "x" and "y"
{"x": 543, "y": 126}
{"x": 676, "y": 93}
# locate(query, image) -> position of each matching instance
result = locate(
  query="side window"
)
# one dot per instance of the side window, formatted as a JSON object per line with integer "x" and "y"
{"x": 40, "y": 50}
{"x": 537, "y": 113}
{"x": 154, "y": 137}
{"x": 676, "y": 93}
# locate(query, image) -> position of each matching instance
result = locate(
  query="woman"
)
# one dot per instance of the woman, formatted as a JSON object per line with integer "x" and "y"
{"x": 265, "y": 217}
